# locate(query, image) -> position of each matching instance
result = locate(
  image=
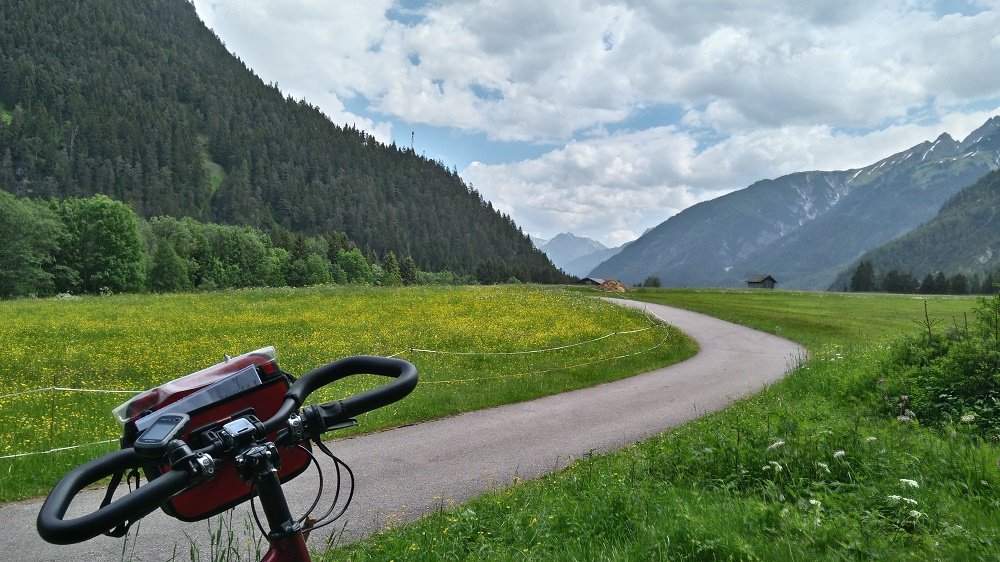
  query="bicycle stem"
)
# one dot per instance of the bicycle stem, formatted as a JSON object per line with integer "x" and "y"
{"x": 260, "y": 465}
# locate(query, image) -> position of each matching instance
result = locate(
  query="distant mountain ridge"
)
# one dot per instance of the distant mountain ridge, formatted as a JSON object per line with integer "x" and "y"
{"x": 583, "y": 265}
{"x": 805, "y": 227}
{"x": 576, "y": 255}
{"x": 566, "y": 247}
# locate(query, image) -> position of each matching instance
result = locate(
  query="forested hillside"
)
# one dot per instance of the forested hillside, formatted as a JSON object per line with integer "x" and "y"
{"x": 141, "y": 102}
{"x": 958, "y": 250}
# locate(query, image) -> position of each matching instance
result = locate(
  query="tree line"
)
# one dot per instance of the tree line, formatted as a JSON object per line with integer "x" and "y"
{"x": 96, "y": 245}
{"x": 866, "y": 279}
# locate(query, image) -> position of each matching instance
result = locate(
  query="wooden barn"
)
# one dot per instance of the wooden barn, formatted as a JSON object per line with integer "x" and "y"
{"x": 591, "y": 281}
{"x": 761, "y": 282}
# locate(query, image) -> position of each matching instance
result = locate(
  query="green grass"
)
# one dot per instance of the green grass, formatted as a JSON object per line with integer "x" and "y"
{"x": 810, "y": 469}
{"x": 140, "y": 341}
{"x": 216, "y": 173}
{"x": 814, "y": 319}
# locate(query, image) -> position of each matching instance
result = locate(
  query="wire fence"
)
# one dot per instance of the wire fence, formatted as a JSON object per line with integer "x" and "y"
{"x": 655, "y": 322}
{"x": 529, "y": 351}
{"x": 57, "y": 449}
{"x": 544, "y": 371}
{"x": 67, "y": 389}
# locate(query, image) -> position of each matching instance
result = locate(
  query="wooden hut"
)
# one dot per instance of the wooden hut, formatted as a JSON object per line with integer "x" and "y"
{"x": 761, "y": 282}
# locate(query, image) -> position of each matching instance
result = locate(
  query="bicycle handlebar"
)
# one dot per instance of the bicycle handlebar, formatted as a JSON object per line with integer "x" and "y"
{"x": 327, "y": 415}
{"x": 55, "y": 529}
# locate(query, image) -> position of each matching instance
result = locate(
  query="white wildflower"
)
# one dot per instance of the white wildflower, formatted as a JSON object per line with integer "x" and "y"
{"x": 895, "y": 498}
{"x": 815, "y": 503}
{"x": 839, "y": 454}
{"x": 908, "y": 482}
{"x": 916, "y": 514}
{"x": 776, "y": 465}
{"x": 824, "y": 466}
{"x": 969, "y": 418}
{"x": 871, "y": 439}
{"x": 776, "y": 445}
{"x": 904, "y": 419}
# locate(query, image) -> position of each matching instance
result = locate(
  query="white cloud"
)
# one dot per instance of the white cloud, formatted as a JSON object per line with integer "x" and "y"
{"x": 530, "y": 71}
{"x": 609, "y": 187}
{"x": 616, "y": 238}
{"x": 312, "y": 52}
{"x": 623, "y": 182}
{"x": 765, "y": 88}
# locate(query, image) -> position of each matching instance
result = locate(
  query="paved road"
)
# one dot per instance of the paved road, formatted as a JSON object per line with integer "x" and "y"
{"x": 406, "y": 472}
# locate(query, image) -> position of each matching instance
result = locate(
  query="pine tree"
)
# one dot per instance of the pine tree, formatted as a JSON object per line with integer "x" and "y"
{"x": 958, "y": 284}
{"x": 408, "y": 270}
{"x": 390, "y": 264}
{"x": 864, "y": 277}
{"x": 927, "y": 284}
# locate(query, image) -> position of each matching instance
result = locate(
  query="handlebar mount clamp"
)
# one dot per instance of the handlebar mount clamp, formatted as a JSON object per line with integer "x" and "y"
{"x": 199, "y": 466}
{"x": 296, "y": 429}
{"x": 263, "y": 457}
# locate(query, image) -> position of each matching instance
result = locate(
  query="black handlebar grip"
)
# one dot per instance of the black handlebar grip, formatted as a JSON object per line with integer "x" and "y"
{"x": 404, "y": 373}
{"x": 54, "y": 529}
{"x": 406, "y": 380}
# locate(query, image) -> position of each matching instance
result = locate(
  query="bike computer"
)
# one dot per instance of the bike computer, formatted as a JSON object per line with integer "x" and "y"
{"x": 152, "y": 442}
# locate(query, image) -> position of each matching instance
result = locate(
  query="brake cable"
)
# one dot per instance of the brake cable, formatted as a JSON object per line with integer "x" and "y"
{"x": 337, "y": 462}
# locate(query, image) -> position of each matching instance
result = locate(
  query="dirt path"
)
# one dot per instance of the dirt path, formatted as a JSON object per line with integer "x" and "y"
{"x": 406, "y": 472}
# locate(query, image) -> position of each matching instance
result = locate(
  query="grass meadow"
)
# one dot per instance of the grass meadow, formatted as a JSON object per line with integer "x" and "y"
{"x": 816, "y": 467}
{"x": 134, "y": 342}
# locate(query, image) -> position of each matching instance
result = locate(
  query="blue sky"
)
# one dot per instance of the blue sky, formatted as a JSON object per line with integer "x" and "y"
{"x": 604, "y": 118}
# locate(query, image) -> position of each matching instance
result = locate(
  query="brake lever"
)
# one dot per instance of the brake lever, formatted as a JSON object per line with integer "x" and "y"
{"x": 349, "y": 422}
{"x": 310, "y": 423}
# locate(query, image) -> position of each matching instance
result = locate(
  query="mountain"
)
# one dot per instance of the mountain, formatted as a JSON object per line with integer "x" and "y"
{"x": 576, "y": 255}
{"x": 963, "y": 238}
{"x": 567, "y": 247}
{"x": 564, "y": 248}
{"x": 583, "y": 265}
{"x": 804, "y": 228}
{"x": 538, "y": 242}
{"x": 141, "y": 102}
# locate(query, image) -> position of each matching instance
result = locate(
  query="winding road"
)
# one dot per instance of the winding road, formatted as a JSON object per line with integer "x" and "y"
{"x": 409, "y": 471}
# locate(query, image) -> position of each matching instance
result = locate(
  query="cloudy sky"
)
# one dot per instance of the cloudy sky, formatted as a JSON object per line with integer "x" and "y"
{"x": 604, "y": 118}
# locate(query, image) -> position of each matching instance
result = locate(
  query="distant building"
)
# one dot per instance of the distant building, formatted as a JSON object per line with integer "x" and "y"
{"x": 761, "y": 282}
{"x": 592, "y": 281}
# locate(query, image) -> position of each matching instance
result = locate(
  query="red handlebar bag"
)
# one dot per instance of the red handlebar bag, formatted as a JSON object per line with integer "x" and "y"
{"x": 226, "y": 489}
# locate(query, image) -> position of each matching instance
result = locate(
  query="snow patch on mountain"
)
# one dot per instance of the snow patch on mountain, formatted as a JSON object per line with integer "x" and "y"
{"x": 986, "y": 256}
